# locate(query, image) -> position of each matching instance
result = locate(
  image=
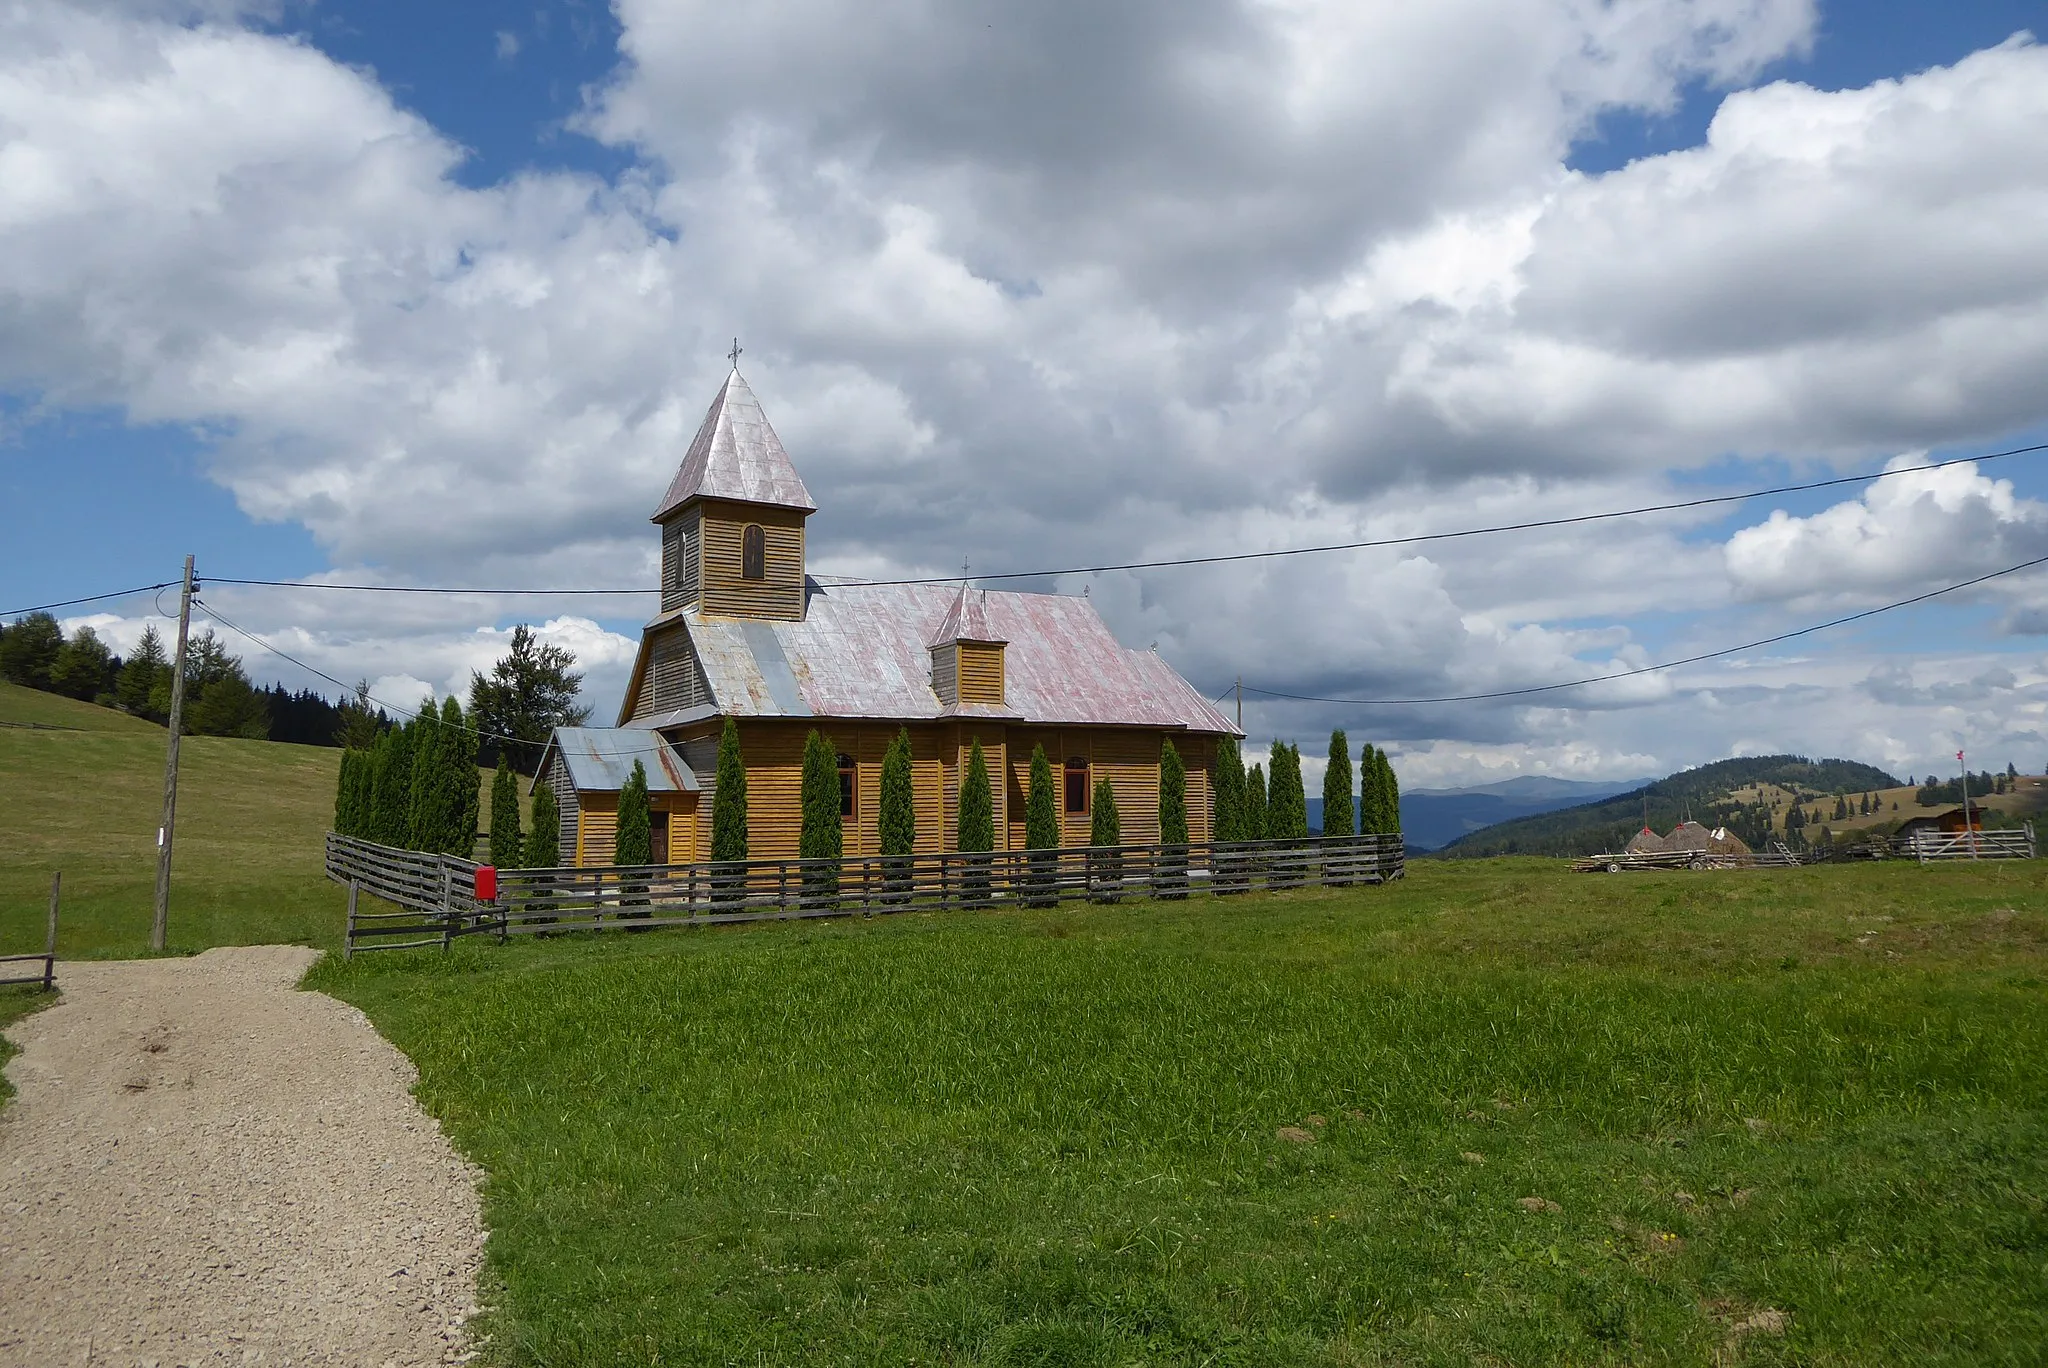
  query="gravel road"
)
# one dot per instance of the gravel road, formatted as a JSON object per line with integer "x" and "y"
{"x": 203, "y": 1165}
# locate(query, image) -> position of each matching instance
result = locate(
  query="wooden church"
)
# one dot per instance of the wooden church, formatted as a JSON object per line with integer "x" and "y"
{"x": 745, "y": 632}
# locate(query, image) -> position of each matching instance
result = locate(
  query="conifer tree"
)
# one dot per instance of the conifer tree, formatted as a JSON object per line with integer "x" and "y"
{"x": 505, "y": 842}
{"x": 391, "y": 787}
{"x": 899, "y": 798}
{"x": 1390, "y": 796}
{"x": 977, "y": 826}
{"x": 1286, "y": 805}
{"x": 976, "y": 831}
{"x": 1230, "y": 798}
{"x": 1173, "y": 820}
{"x": 1255, "y": 804}
{"x": 544, "y": 830}
{"x": 1173, "y": 796}
{"x": 1337, "y": 816}
{"x": 1105, "y": 827}
{"x": 636, "y": 828}
{"x": 821, "y": 836}
{"x": 465, "y": 783}
{"x": 344, "y": 796}
{"x": 1041, "y": 809}
{"x": 425, "y": 818}
{"x": 1369, "y": 816}
{"x": 140, "y": 673}
{"x": 729, "y": 798}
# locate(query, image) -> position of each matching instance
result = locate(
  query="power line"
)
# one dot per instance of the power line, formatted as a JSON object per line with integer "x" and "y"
{"x": 92, "y": 598}
{"x": 1706, "y": 501}
{"x": 1667, "y": 665}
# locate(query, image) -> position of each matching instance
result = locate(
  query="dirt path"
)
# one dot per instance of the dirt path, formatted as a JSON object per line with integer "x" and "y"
{"x": 203, "y": 1165}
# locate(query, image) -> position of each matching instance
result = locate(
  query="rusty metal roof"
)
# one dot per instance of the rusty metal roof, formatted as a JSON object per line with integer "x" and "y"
{"x": 600, "y": 759}
{"x": 736, "y": 455}
{"x": 861, "y": 651}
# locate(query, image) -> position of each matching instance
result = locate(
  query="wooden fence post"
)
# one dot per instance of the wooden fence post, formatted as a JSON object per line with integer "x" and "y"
{"x": 348, "y": 941}
{"x": 50, "y": 939}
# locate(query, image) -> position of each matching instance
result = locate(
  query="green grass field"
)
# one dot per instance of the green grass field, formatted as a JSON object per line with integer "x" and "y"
{"x": 1496, "y": 1113}
{"x": 1305, "y": 1129}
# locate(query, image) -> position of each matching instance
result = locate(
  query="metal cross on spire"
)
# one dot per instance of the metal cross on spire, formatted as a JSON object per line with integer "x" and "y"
{"x": 734, "y": 354}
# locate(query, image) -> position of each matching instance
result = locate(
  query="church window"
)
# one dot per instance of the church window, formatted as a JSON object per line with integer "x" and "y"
{"x": 848, "y": 789}
{"x": 753, "y": 553}
{"x": 1077, "y": 785}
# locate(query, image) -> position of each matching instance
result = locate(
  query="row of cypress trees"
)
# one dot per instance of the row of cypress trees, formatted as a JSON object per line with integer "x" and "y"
{"x": 416, "y": 789}
{"x": 1253, "y": 806}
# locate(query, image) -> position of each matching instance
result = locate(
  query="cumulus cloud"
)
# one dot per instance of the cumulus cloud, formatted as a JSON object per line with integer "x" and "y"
{"x": 1068, "y": 286}
{"x": 1910, "y": 531}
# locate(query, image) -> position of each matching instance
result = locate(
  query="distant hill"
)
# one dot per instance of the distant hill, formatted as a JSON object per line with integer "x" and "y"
{"x": 1432, "y": 818}
{"x": 1704, "y": 794}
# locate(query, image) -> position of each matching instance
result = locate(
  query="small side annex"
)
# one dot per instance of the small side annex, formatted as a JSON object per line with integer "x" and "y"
{"x": 588, "y": 766}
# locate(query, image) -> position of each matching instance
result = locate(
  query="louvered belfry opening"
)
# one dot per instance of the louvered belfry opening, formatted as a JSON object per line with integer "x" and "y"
{"x": 732, "y": 522}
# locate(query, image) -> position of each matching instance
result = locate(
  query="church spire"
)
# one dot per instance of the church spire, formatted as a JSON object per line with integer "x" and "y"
{"x": 736, "y": 456}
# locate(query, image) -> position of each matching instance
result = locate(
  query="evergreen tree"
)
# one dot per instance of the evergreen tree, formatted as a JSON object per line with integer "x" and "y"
{"x": 84, "y": 668}
{"x": 729, "y": 799}
{"x": 976, "y": 832}
{"x": 977, "y": 826}
{"x": 1230, "y": 796}
{"x": 1173, "y": 821}
{"x": 29, "y": 650}
{"x": 820, "y": 837}
{"x": 465, "y": 784}
{"x": 426, "y": 808}
{"x": 1337, "y": 819}
{"x": 505, "y": 842}
{"x": 1041, "y": 808}
{"x": 544, "y": 830}
{"x": 531, "y": 691}
{"x": 1105, "y": 827}
{"x": 1255, "y": 804}
{"x": 139, "y": 674}
{"x": 345, "y": 816}
{"x": 391, "y": 786}
{"x": 636, "y": 828}
{"x": 359, "y": 721}
{"x": 898, "y": 816}
{"x": 1390, "y": 796}
{"x": 1173, "y": 796}
{"x": 1286, "y": 804}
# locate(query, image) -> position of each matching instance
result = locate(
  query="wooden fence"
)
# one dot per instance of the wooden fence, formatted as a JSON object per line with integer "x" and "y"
{"x": 2008, "y": 844}
{"x": 434, "y": 900}
{"x": 47, "y": 976}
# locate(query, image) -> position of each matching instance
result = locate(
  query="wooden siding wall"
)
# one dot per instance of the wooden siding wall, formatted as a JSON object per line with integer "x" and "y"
{"x": 946, "y": 673}
{"x": 565, "y": 803}
{"x": 598, "y": 841}
{"x": 679, "y": 561}
{"x": 726, "y": 591}
{"x": 674, "y": 677}
{"x": 773, "y": 750}
{"x": 981, "y": 673}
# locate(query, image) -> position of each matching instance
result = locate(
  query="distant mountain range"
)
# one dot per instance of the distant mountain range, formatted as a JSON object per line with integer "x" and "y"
{"x": 1433, "y": 818}
{"x": 1584, "y": 827}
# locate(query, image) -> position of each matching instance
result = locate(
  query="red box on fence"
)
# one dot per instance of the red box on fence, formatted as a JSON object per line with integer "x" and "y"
{"x": 486, "y": 883}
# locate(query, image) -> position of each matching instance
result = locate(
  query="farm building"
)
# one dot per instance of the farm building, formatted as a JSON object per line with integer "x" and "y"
{"x": 745, "y": 632}
{"x": 1954, "y": 820}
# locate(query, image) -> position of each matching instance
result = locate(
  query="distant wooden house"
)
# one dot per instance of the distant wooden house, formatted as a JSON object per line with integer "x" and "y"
{"x": 744, "y": 632}
{"x": 1954, "y": 821}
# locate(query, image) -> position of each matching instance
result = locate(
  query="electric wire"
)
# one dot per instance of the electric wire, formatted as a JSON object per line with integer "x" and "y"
{"x": 1533, "y": 524}
{"x": 1667, "y": 665}
{"x": 91, "y": 598}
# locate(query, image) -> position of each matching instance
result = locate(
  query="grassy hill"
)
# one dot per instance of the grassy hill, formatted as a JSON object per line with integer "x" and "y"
{"x": 1707, "y": 794}
{"x": 83, "y": 790}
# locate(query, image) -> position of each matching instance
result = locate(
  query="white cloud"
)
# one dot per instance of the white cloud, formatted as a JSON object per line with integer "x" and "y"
{"x": 1906, "y": 532}
{"x": 1068, "y": 285}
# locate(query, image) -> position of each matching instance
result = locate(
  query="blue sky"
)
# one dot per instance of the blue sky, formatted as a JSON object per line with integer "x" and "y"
{"x": 887, "y": 409}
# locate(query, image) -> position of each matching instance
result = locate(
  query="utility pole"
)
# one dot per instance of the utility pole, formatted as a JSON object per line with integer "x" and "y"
{"x": 1968, "y": 830}
{"x": 159, "y": 927}
{"x": 1240, "y": 702}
